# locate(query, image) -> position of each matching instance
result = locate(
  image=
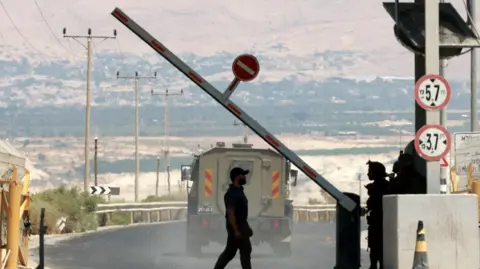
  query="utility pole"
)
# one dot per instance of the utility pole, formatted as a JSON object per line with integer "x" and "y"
{"x": 359, "y": 179}
{"x": 95, "y": 161}
{"x": 245, "y": 131}
{"x": 158, "y": 176}
{"x": 166, "y": 150}
{"x": 471, "y": 18}
{"x": 88, "y": 47}
{"x": 137, "y": 160}
{"x": 444, "y": 171}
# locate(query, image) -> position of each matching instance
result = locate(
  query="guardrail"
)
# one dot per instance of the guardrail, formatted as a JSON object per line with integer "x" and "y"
{"x": 133, "y": 207}
{"x": 166, "y": 211}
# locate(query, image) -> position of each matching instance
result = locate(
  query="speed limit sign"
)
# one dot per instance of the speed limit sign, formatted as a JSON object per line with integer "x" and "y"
{"x": 432, "y": 142}
{"x": 432, "y": 92}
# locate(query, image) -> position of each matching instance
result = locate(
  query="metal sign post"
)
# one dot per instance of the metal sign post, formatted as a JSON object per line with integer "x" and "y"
{"x": 224, "y": 100}
{"x": 432, "y": 141}
{"x": 422, "y": 116}
{"x": 432, "y": 93}
{"x": 245, "y": 68}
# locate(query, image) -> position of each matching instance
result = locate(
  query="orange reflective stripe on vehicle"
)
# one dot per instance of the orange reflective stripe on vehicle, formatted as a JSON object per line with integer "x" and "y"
{"x": 208, "y": 183}
{"x": 275, "y": 184}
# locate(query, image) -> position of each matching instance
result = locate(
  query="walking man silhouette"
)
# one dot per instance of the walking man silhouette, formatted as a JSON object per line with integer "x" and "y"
{"x": 238, "y": 229}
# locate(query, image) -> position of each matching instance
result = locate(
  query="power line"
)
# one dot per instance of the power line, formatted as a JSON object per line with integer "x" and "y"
{"x": 70, "y": 52}
{"x": 48, "y": 25}
{"x": 4, "y": 41}
{"x": 120, "y": 51}
{"x": 75, "y": 62}
{"x": 20, "y": 33}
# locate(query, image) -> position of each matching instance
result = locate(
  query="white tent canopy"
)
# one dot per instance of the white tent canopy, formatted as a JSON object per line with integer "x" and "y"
{"x": 9, "y": 155}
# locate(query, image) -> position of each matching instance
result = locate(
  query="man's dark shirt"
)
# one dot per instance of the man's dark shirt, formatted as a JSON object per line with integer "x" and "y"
{"x": 235, "y": 197}
{"x": 374, "y": 202}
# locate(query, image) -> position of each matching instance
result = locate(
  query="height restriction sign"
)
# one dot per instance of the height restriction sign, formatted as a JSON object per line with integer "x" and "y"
{"x": 432, "y": 92}
{"x": 432, "y": 142}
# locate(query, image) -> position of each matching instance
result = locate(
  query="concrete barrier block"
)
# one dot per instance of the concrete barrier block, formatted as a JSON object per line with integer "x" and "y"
{"x": 451, "y": 226}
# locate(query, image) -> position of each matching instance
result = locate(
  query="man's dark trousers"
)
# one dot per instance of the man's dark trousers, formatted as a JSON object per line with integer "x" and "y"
{"x": 375, "y": 243}
{"x": 233, "y": 244}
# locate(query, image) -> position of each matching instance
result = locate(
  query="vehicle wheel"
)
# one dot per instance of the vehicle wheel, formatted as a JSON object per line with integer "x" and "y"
{"x": 194, "y": 246}
{"x": 282, "y": 249}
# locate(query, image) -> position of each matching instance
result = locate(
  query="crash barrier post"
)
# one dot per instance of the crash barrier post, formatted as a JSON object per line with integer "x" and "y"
{"x": 41, "y": 246}
{"x": 348, "y": 235}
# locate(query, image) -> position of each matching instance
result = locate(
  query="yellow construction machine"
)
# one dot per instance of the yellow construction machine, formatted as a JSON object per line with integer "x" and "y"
{"x": 473, "y": 184}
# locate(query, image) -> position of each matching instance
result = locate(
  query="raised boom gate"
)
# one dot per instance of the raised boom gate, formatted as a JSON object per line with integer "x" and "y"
{"x": 223, "y": 99}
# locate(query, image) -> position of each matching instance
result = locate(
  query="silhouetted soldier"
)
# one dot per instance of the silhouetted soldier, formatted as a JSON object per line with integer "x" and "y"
{"x": 408, "y": 180}
{"x": 238, "y": 230}
{"x": 396, "y": 166}
{"x": 376, "y": 190}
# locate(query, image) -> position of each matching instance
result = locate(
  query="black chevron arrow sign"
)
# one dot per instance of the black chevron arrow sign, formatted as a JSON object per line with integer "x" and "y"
{"x": 99, "y": 190}
{"x": 96, "y": 190}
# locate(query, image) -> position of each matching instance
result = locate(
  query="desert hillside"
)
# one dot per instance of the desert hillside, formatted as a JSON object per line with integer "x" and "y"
{"x": 268, "y": 28}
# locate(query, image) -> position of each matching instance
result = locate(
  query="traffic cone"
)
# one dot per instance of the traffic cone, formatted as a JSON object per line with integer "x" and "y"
{"x": 420, "y": 260}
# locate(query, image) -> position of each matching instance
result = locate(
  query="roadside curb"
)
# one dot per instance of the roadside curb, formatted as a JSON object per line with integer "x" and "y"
{"x": 52, "y": 239}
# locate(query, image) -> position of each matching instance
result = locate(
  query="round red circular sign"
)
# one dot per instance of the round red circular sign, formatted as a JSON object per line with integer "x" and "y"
{"x": 245, "y": 67}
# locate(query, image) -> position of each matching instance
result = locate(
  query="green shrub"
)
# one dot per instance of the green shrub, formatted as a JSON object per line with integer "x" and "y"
{"x": 119, "y": 218}
{"x": 166, "y": 197}
{"x": 123, "y": 218}
{"x": 75, "y": 205}
{"x": 79, "y": 209}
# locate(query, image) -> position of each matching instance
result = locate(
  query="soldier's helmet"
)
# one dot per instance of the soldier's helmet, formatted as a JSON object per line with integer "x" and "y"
{"x": 376, "y": 170}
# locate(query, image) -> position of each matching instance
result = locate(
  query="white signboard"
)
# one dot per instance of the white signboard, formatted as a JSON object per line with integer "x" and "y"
{"x": 467, "y": 151}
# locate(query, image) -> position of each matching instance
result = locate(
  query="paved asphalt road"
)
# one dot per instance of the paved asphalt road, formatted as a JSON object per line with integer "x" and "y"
{"x": 162, "y": 246}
